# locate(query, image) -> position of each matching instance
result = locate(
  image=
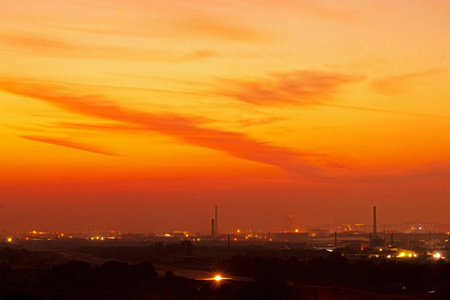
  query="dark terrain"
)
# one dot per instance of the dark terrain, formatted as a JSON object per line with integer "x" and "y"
{"x": 78, "y": 270}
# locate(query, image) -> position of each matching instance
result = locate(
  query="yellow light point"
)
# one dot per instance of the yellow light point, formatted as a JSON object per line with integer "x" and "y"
{"x": 415, "y": 255}
{"x": 238, "y": 231}
{"x": 102, "y": 238}
{"x": 388, "y": 256}
{"x": 218, "y": 278}
{"x": 296, "y": 230}
{"x": 410, "y": 255}
{"x": 437, "y": 255}
{"x": 10, "y": 240}
{"x": 235, "y": 239}
{"x": 62, "y": 234}
{"x": 402, "y": 254}
{"x": 97, "y": 237}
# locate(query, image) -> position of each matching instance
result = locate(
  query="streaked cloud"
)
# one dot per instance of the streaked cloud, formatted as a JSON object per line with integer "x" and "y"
{"x": 188, "y": 129}
{"x": 100, "y": 126}
{"x": 388, "y": 111}
{"x": 56, "y": 46}
{"x": 68, "y": 144}
{"x": 400, "y": 84}
{"x": 296, "y": 87}
{"x": 320, "y": 11}
{"x": 221, "y": 29}
{"x": 306, "y": 88}
{"x": 268, "y": 120}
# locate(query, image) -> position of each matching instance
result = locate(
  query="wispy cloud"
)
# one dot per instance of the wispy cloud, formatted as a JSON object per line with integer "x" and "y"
{"x": 56, "y": 46}
{"x": 268, "y": 120}
{"x": 388, "y": 111}
{"x": 213, "y": 28}
{"x": 326, "y": 13}
{"x": 188, "y": 129}
{"x": 199, "y": 54}
{"x": 297, "y": 87}
{"x": 442, "y": 7}
{"x": 100, "y": 126}
{"x": 68, "y": 144}
{"x": 308, "y": 88}
{"x": 35, "y": 42}
{"x": 400, "y": 84}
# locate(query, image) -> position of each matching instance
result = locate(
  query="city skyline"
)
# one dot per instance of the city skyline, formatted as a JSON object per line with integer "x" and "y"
{"x": 143, "y": 115}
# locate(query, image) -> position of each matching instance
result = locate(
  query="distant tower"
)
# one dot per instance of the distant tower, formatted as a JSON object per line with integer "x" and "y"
{"x": 374, "y": 220}
{"x": 216, "y": 224}
{"x": 212, "y": 228}
{"x": 287, "y": 226}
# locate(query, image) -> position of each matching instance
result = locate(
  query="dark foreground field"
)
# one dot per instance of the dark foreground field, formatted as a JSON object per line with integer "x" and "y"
{"x": 180, "y": 271}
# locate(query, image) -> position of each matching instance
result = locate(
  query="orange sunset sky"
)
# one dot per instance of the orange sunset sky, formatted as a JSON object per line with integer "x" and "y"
{"x": 142, "y": 115}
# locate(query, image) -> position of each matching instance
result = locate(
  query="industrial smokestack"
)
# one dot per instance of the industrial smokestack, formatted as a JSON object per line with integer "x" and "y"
{"x": 212, "y": 228}
{"x": 216, "y": 225}
{"x": 374, "y": 220}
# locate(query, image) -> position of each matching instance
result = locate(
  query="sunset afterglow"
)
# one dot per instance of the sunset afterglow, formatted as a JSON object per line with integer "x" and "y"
{"x": 143, "y": 115}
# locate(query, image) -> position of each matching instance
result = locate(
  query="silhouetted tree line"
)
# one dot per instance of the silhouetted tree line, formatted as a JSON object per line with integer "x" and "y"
{"x": 274, "y": 278}
{"x": 111, "y": 280}
{"x": 111, "y": 276}
{"x": 16, "y": 256}
{"x": 334, "y": 269}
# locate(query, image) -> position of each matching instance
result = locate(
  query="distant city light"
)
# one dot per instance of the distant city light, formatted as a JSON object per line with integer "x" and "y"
{"x": 218, "y": 278}
{"x": 9, "y": 240}
{"x": 437, "y": 255}
{"x": 238, "y": 231}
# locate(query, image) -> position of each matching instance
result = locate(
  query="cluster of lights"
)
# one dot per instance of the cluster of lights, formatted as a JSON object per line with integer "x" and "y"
{"x": 403, "y": 254}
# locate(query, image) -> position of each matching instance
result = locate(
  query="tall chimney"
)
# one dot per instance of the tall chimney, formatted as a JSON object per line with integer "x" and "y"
{"x": 212, "y": 228}
{"x": 216, "y": 225}
{"x": 374, "y": 220}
